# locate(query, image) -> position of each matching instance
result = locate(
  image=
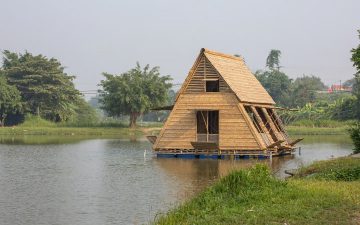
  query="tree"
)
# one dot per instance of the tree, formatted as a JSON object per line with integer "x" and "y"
{"x": 274, "y": 81}
{"x": 10, "y": 100}
{"x": 134, "y": 92}
{"x": 273, "y": 59}
{"x": 304, "y": 90}
{"x": 86, "y": 115}
{"x": 160, "y": 115}
{"x": 45, "y": 89}
{"x": 277, "y": 84}
{"x": 349, "y": 83}
{"x": 355, "y": 58}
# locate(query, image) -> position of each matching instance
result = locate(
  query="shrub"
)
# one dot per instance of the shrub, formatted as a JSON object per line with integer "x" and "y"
{"x": 36, "y": 121}
{"x": 355, "y": 136}
{"x": 340, "y": 169}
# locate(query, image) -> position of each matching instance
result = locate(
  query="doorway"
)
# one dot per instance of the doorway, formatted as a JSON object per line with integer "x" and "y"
{"x": 207, "y": 126}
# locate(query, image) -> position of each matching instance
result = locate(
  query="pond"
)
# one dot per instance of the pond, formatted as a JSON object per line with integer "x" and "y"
{"x": 109, "y": 181}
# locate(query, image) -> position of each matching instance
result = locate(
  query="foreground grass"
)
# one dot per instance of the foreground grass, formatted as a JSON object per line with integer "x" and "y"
{"x": 255, "y": 197}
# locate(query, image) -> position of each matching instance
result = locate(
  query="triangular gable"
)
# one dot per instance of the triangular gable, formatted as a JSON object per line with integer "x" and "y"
{"x": 197, "y": 74}
{"x": 234, "y": 74}
{"x": 205, "y": 71}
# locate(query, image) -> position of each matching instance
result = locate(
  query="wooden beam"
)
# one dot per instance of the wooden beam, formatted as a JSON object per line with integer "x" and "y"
{"x": 205, "y": 145}
{"x": 272, "y": 125}
{"x": 282, "y": 127}
{"x": 251, "y": 126}
{"x": 278, "y": 143}
{"x": 296, "y": 141}
{"x": 152, "y": 138}
{"x": 210, "y": 79}
{"x": 262, "y": 125}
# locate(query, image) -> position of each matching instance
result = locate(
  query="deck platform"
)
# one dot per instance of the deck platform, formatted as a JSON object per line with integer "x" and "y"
{"x": 210, "y": 154}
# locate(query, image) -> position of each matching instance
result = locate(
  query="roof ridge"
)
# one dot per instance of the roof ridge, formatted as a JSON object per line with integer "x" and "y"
{"x": 205, "y": 50}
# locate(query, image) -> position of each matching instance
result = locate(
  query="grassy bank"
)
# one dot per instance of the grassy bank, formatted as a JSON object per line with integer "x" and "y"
{"x": 255, "y": 197}
{"x": 301, "y": 130}
{"x": 66, "y": 131}
{"x": 318, "y": 127}
{"x": 36, "y": 126}
{"x": 341, "y": 169}
{"x": 141, "y": 129}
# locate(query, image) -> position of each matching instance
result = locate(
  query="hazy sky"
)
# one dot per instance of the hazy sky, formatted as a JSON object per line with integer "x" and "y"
{"x": 94, "y": 36}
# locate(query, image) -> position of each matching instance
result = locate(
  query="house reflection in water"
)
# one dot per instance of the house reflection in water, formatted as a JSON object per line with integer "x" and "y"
{"x": 199, "y": 173}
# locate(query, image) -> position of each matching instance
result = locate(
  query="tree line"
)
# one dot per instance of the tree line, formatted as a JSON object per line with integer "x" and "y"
{"x": 307, "y": 94}
{"x": 37, "y": 85}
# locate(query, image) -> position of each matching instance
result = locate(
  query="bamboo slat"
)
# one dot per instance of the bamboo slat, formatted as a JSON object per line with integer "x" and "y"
{"x": 262, "y": 125}
{"x": 272, "y": 125}
{"x": 237, "y": 85}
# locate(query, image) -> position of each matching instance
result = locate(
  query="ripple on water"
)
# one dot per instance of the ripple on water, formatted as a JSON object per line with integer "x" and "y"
{"x": 110, "y": 182}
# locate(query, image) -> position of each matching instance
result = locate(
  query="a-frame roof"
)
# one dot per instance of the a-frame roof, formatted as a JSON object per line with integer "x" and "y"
{"x": 237, "y": 75}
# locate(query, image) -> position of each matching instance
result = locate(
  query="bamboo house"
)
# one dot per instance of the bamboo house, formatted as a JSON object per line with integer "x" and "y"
{"x": 222, "y": 109}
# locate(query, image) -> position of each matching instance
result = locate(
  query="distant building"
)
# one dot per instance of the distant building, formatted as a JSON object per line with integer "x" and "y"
{"x": 338, "y": 88}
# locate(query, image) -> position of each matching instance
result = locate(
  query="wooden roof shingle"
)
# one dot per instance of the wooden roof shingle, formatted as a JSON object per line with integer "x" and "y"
{"x": 239, "y": 77}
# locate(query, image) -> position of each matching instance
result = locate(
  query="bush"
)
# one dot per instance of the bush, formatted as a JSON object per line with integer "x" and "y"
{"x": 342, "y": 109}
{"x": 355, "y": 136}
{"x": 36, "y": 121}
{"x": 85, "y": 116}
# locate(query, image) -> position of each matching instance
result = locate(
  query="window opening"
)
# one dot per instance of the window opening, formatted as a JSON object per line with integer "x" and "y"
{"x": 212, "y": 86}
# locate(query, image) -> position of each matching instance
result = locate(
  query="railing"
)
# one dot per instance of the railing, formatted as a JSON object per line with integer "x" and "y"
{"x": 208, "y": 138}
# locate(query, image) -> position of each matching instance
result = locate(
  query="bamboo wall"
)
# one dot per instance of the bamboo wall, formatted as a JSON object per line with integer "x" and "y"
{"x": 205, "y": 70}
{"x": 180, "y": 128}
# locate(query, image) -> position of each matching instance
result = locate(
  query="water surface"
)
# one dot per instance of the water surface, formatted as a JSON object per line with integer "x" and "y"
{"x": 108, "y": 181}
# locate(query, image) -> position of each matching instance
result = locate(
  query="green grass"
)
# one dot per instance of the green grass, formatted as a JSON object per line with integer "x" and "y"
{"x": 66, "y": 131}
{"x": 33, "y": 129}
{"x": 322, "y": 123}
{"x": 110, "y": 130}
{"x": 297, "y": 130}
{"x": 34, "y": 125}
{"x": 318, "y": 127}
{"x": 341, "y": 169}
{"x": 254, "y": 196}
{"x": 36, "y": 121}
{"x": 354, "y": 132}
{"x": 50, "y": 139}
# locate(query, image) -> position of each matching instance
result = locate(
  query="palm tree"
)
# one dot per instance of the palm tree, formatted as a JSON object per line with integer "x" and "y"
{"x": 272, "y": 61}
